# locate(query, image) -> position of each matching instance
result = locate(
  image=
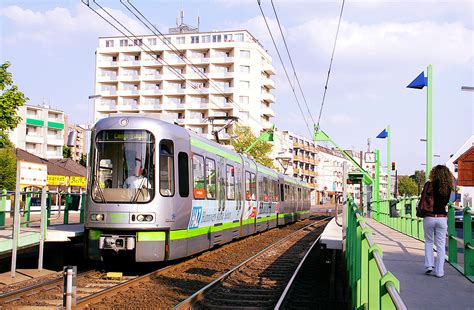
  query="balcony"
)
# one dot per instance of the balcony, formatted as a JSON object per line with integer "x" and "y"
{"x": 197, "y": 105}
{"x": 150, "y": 105}
{"x": 222, "y": 89}
{"x": 126, "y": 106}
{"x": 268, "y": 68}
{"x": 269, "y": 83}
{"x": 174, "y": 91}
{"x": 128, "y": 92}
{"x": 173, "y": 106}
{"x": 55, "y": 140}
{"x": 34, "y": 138}
{"x": 222, "y": 59}
{"x": 105, "y": 105}
{"x": 174, "y": 60}
{"x": 106, "y": 78}
{"x": 268, "y": 97}
{"x": 151, "y": 77}
{"x": 193, "y": 75}
{"x": 296, "y": 145}
{"x": 107, "y": 63}
{"x": 130, "y": 63}
{"x": 268, "y": 111}
{"x": 131, "y": 77}
{"x": 152, "y": 62}
{"x": 199, "y": 60}
{"x": 152, "y": 91}
{"x": 108, "y": 92}
{"x": 221, "y": 74}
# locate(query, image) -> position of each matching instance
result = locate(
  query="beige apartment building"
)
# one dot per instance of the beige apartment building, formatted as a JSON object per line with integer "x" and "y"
{"x": 211, "y": 79}
{"x": 75, "y": 137}
{"x": 40, "y": 132}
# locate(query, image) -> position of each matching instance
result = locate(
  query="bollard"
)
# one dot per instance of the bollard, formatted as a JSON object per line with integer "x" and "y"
{"x": 3, "y": 207}
{"x": 69, "y": 292}
{"x": 468, "y": 244}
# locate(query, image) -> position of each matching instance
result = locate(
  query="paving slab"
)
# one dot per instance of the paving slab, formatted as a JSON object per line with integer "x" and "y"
{"x": 23, "y": 275}
{"x": 404, "y": 257}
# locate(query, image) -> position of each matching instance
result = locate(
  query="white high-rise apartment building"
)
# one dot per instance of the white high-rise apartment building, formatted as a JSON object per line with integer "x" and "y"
{"x": 230, "y": 77}
{"x": 40, "y": 132}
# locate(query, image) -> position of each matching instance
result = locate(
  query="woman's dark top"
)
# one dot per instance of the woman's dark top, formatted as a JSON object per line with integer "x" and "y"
{"x": 440, "y": 200}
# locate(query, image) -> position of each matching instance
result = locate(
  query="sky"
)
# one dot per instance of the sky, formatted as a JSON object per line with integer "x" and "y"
{"x": 382, "y": 46}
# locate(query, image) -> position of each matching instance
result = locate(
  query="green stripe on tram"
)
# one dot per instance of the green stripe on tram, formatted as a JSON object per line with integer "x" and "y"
{"x": 94, "y": 234}
{"x": 215, "y": 150}
{"x": 151, "y": 236}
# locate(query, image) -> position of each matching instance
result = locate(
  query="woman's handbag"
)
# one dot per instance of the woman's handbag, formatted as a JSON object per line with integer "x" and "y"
{"x": 426, "y": 203}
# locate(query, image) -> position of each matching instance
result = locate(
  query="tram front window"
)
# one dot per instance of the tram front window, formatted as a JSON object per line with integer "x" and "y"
{"x": 124, "y": 166}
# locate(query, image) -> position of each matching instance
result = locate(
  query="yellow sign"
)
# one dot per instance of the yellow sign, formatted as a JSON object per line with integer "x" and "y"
{"x": 57, "y": 180}
{"x": 77, "y": 181}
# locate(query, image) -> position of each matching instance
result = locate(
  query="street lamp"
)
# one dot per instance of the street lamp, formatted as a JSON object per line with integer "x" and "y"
{"x": 92, "y": 115}
{"x": 467, "y": 88}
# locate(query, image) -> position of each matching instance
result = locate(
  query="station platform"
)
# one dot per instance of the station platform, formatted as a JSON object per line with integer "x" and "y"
{"x": 29, "y": 237}
{"x": 332, "y": 234}
{"x": 404, "y": 257}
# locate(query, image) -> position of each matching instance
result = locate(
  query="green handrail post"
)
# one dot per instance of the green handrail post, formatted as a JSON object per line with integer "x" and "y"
{"x": 468, "y": 251}
{"x": 374, "y": 278}
{"x": 83, "y": 205}
{"x": 49, "y": 203}
{"x": 26, "y": 211}
{"x": 67, "y": 201}
{"x": 3, "y": 207}
{"x": 452, "y": 243}
{"x": 385, "y": 299}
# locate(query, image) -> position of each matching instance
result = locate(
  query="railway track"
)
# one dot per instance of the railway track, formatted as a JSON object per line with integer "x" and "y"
{"x": 259, "y": 281}
{"x": 164, "y": 287}
{"x": 50, "y": 293}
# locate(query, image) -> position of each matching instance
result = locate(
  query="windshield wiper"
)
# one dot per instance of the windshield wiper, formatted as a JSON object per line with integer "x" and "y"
{"x": 99, "y": 190}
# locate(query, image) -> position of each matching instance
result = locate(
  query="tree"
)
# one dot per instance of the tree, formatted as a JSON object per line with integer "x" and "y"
{"x": 244, "y": 138}
{"x": 83, "y": 160}
{"x": 67, "y": 153}
{"x": 419, "y": 179}
{"x": 8, "y": 171}
{"x": 406, "y": 186}
{"x": 10, "y": 100}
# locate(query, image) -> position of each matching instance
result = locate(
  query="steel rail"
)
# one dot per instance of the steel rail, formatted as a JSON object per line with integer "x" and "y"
{"x": 10, "y": 296}
{"x": 199, "y": 295}
{"x": 293, "y": 277}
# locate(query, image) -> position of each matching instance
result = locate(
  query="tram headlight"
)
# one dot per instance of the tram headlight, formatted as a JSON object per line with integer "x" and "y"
{"x": 149, "y": 218}
{"x": 140, "y": 217}
{"x": 97, "y": 217}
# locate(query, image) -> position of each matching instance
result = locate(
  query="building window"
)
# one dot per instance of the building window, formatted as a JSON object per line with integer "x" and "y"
{"x": 239, "y": 37}
{"x": 194, "y": 39}
{"x": 216, "y": 38}
{"x": 109, "y": 43}
{"x": 245, "y": 69}
{"x": 180, "y": 40}
{"x": 124, "y": 42}
{"x": 227, "y": 38}
{"x": 152, "y": 41}
{"x": 244, "y": 84}
{"x": 243, "y": 99}
{"x": 206, "y": 39}
{"x": 137, "y": 42}
{"x": 244, "y": 54}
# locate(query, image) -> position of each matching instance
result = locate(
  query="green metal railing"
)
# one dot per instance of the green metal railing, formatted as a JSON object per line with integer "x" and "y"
{"x": 373, "y": 287}
{"x": 64, "y": 202}
{"x": 403, "y": 219}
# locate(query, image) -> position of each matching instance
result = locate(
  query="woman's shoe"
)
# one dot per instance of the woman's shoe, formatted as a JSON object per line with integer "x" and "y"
{"x": 428, "y": 270}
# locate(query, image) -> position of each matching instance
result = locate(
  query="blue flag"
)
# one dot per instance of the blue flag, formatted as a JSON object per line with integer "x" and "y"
{"x": 383, "y": 134}
{"x": 420, "y": 81}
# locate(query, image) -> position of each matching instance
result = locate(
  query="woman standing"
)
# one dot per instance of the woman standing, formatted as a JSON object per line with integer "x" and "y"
{"x": 435, "y": 224}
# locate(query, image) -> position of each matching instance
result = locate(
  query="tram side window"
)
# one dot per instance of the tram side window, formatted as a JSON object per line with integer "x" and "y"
{"x": 250, "y": 186}
{"x": 211, "y": 178}
{"x": 166, "y": 168}
{"x": 282, "y": 192}
{"x": 275, "y": 191}
{"x": 264, "y": 195}
{"x": 253, "y": 186}
{"x": 230, "y": 182}
{"x": 183, "y": 174}
{"x": 198, "y": 177}
{"x": 247, "y": 186}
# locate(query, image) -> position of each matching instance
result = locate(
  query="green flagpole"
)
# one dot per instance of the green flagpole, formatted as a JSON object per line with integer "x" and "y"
{"x": 389, "y": 164}
{"x": 429, "y": 123}
{"x": 377, "y": 183}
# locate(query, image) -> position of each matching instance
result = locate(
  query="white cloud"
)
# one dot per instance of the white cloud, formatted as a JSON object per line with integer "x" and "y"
{"x": 61, "y": 25}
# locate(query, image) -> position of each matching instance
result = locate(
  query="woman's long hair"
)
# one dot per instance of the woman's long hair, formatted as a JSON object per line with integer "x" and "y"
{"x": 443, "y": 177}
